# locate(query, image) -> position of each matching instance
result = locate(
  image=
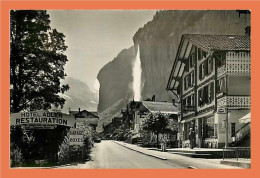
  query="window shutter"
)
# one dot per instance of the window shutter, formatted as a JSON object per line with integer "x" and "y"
{"x": 209, "y": 92}
{"x": 206, "y": 67}
{"x": 200, "y": 71}
{"x": 192, "y": 100}
{"x": 190, "y": 60}
{"x": 204, "y": 54}
{"x": 199, "y": 94}
{"x": 189, "y": 80}
{"x": 201, "y": 101}
{"x": 184, "y": 83}
{"x": 189, "y": 101}
{"x": 210, "y": 65}
{"x": 184, "y": 102}
{"x": 199, "y": 54}
{"x": 193, "y": 59}
{"x": 212, "y": 91}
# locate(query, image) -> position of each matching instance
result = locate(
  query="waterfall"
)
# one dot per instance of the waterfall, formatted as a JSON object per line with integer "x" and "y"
{"x": 136, "y": 73}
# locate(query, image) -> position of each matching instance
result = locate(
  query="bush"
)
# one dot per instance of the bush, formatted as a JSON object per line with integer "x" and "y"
{"x": 64, "y": 151}
{"x": 15, "y": 155}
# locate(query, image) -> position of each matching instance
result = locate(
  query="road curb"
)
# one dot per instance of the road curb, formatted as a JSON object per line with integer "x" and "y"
{"x": 236, "y": 163}
{"x": 158, "y": 157}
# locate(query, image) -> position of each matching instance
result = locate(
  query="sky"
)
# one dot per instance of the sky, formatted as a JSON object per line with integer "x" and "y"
{"x": 95, "y": 37}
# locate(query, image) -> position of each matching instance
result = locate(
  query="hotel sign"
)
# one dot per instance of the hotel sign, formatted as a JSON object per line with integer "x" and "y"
{"x": 76, "y": 136}
{"x": 42, "y": 117}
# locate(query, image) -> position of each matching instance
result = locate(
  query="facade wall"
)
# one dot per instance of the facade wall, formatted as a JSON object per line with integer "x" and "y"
{"x": 202, "y": 92}
{"x": 234, "y": 81}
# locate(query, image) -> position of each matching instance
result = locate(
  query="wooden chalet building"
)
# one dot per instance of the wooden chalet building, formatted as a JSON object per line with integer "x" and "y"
{"x": 211, "y": 75}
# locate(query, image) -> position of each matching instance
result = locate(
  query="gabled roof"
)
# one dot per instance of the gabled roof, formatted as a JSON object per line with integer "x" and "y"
{"x": 220, "y": 42}
{"x": 94, "y": 113}
{"x": 162, "y": 107}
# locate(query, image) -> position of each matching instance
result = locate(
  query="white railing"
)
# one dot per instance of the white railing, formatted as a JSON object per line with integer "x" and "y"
{"x": 236, "y": 64}
{"x": 235, "y": 102}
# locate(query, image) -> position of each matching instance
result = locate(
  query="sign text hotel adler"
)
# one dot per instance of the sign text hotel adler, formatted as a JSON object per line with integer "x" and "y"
{"x": 42, "y": 117}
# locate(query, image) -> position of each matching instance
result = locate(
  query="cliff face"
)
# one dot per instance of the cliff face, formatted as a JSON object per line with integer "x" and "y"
{"x": 115, "y": 80}
{"x": 158, "y": 41}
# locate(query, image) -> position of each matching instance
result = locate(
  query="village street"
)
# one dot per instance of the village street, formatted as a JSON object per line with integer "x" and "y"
{"x": 154, "y": 105}
{"x": 110, "y": 154}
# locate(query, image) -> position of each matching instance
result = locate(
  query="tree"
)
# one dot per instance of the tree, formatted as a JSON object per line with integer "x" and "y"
{"x": 36, "y": 61}
{"x": 155, "y": 123}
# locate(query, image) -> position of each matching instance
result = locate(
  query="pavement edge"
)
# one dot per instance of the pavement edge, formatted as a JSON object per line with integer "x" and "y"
{"x": 158, "y": 157}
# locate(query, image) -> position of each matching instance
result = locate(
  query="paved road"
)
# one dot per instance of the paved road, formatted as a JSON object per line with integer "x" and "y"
{"x": 109, "y": 154}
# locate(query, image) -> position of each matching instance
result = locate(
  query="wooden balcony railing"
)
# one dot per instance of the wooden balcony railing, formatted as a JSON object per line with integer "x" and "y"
{"x": 235, "y": 102}
{"x": 236, "y": 64}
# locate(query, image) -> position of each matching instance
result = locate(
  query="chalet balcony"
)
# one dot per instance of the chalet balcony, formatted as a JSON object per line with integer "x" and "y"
{"x": 234, "y": 102}
{"x": 236, "y": 64}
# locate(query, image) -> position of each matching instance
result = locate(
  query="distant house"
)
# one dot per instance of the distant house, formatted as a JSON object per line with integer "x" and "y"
{"x": 108, "y": 130}
{"x": 141, "y": 109}
{"x": 89, "y": 117}
{"x": 211, "y": 74}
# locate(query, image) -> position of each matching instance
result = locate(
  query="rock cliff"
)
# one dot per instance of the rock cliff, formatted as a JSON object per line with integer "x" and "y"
{"x": 115, "y": 80}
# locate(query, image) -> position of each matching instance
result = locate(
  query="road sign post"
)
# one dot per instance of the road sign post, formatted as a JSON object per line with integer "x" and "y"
{"x": 226, "y": 140}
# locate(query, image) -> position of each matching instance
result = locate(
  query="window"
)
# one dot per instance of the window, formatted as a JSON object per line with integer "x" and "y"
{"x": 209, "y": 128}
{"x": 206, "y": 95}
{"x": 205, "y": 68}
